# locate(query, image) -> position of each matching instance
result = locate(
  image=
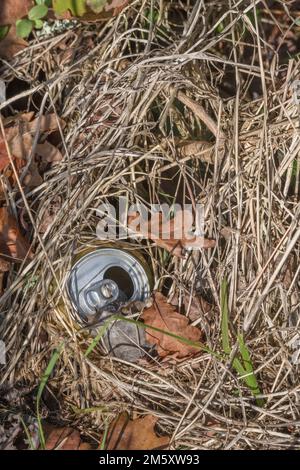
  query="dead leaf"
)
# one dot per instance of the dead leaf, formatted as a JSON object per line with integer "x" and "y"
{"x": 49, "y": 152}
{"x": 19, "y": 136}
{"x": 33, "y": 178}
{"x": 169, "y": 234}
{"x": 9, "y": 174}
{"x": 12, "y": 243}
{"x": 4, "y": 159}
{"x": 11, "y": 44}
{"x": 162, "y": 315}
{"x": 17, "y": 118}
{"x": 47, "y": 123}
{"x": 202, "y": 149}
{"x": 4, "y": 266}
{"x": 20, "y": 145}
{"x": 137, "y": 434}
{"x": 64, "y": 439}
{"x": 194, "y": 308}
{"x": 12, "y": 10}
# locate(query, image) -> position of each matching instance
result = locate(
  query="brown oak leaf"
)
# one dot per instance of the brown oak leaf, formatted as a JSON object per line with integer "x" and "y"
{"x": 163, "y": 316}
{"x": 194, "y": 307}
{"x": 65, "y": 439}
{"x": 169, "y": 234}
{"x": 136, "y": 434}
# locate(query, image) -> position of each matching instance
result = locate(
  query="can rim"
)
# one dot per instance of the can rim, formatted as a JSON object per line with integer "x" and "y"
{"x": 130, "y": 262}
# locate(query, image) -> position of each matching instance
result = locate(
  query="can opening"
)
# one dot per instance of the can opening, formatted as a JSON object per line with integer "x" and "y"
{"x": 122, "y": 279}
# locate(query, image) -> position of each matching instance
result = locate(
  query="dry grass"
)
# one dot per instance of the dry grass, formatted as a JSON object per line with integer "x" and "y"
{"x": 128, "y": 91}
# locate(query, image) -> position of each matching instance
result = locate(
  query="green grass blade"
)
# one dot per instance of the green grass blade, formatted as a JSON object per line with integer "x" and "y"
{"x": 195, "y": 344}
{"x": 224, "y": 313}
{"x": 105, "y": 326}
{"x": 27, "y": 432}
{"x": 237, "y": 365}
{"x": 250, "y": 379}
{"x": 244, "y": 368}
{"x": 245, "y": 354}
{"x": 104, "y": 438}
{"x": 100, "y": 334}
{"x": 42, "y": 385}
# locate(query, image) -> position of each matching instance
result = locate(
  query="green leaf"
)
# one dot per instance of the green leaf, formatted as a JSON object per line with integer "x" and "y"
{"x": 38, "y": 12}
{"x": 249, "y": 379}
{"x": 38, "y": 24}
{"x": 244, "y": 370}
{"x": 44, "y": 380}
{"x": 24, "y": 28}
{"x": 76, "y": 7}
{"x": 245, "y": 354}
{"x": 224, "y": 312}
{"x": 220, "y": 28}
{"x": 96, "y": 5}
{"x": 3, "y": 31}
{"x": 152, "y": 15}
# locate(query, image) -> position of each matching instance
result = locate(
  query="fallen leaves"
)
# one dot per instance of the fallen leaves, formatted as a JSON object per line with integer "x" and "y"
{"x": 20, "y": 139}
{"x": 20, "y": 136}
{"x": 123, "y": 434}
{"x": 194, "y": 307}
{"x": 197, "y": 148}
{"x": 163, "y": 316}
{"x": 4, "y": 160}
{"x": 22, "y": 132}
{"x": 172, "y": 235}
{"x": 136, "y": 434}
{"x": 12, "y": 243}
{"x": 10, "y": 12}
{"x": 19, "y": 17}
{"x": 65, "y": 438}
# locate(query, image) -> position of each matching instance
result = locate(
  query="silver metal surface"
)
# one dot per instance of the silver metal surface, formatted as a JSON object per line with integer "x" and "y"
{"x": 104, "y": 277}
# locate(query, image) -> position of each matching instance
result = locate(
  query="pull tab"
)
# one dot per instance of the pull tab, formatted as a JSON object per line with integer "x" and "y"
{"x": 101, "y": 293}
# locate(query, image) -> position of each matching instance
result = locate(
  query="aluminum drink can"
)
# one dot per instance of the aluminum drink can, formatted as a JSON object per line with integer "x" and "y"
{"x": 106, "y": 277}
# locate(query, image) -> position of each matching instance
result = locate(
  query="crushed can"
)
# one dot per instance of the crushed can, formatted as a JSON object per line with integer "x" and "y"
{"x": 102, "y": 280}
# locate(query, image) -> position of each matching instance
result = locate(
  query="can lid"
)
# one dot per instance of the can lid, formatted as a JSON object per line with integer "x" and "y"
{"x": 104, "y": 277}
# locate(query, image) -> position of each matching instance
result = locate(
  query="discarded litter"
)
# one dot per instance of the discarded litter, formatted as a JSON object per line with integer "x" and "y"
{"x": 100, "y": 282}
